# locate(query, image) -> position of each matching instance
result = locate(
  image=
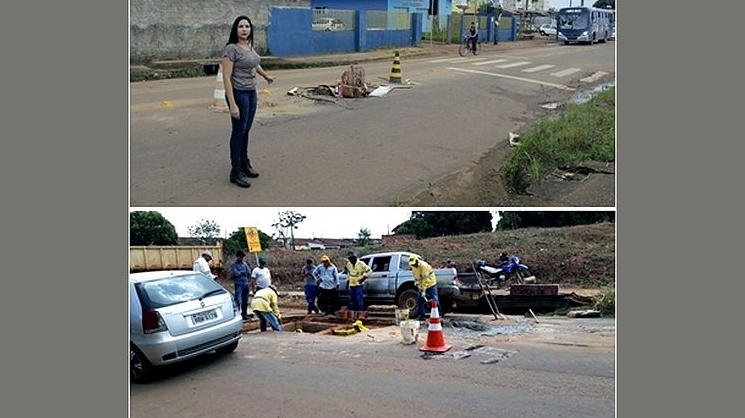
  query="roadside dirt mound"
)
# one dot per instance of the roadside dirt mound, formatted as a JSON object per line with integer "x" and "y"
{"x": 578, "y": 256}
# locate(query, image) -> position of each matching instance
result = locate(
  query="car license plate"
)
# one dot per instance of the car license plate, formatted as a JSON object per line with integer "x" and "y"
{"x": 204, "y": 316}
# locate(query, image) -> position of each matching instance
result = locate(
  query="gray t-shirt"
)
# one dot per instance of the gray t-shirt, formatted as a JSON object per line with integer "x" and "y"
{"x": 244, "y": 66}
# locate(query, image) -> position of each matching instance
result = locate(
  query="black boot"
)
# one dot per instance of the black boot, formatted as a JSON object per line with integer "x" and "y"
{"x": 237, "y": 177}
{"x": 248, "y": 170}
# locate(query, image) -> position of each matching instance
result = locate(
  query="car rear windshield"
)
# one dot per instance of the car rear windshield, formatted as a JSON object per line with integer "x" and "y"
{"x": 168, "y": 291}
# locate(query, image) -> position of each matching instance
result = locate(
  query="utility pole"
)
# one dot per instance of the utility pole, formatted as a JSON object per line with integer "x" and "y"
{"x": 431, "y": 22}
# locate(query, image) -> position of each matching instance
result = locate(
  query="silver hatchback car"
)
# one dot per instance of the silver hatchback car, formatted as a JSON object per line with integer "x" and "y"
{"x": 176, "y": 315}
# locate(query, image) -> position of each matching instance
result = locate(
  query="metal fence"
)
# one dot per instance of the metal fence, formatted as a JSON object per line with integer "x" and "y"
{"x": 377, "y": 20}
{"x": 333, "y": 20}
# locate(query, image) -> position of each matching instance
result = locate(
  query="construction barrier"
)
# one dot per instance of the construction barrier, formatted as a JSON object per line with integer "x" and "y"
{"x": 396, "y": 70}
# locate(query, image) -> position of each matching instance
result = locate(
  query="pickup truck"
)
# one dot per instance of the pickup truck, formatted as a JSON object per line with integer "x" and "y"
{"x": 392, "y": 282}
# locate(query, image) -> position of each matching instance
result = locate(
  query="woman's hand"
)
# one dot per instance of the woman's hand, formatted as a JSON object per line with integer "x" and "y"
{"x": 234, "y": 112}
{"x": 269, "y": 79}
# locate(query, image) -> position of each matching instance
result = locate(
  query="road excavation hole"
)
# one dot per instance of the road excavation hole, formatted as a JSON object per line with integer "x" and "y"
{"x": 328, "y": 325}
{"x": 305, "y": 326}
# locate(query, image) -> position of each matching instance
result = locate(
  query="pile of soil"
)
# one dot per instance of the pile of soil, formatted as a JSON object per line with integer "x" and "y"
{"x": 578, "y": 256}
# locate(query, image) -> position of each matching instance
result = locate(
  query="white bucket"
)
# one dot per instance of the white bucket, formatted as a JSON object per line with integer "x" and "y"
{"x": 409, "y": 331}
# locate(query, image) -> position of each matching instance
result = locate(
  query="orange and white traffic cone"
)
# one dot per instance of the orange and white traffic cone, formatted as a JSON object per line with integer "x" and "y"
{"x": 435, "y": 338}
{"x": 219, "y": 104}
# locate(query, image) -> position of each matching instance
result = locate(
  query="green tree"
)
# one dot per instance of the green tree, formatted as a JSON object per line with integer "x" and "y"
{"x": 206, "y": 231}
{"x": 486, "y": 8}
{"x": 515, "y": 220}
{"x": 237, "y": 241}
{"x": 425, "y": 224}
{"x": 151, "y": 228}
{"x": 288, "y": 221}
{"x": 509, "y": 220}
{"x": 363, "y": 236}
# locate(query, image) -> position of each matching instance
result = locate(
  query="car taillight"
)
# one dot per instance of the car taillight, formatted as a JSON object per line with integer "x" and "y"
{"x": 152, "y": 322}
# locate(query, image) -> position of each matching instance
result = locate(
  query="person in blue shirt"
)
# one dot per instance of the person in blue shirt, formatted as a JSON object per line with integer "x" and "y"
{"x": 239, "y": 270}
{"x": 310, "y": 285}
{"x": 327, "y": 278}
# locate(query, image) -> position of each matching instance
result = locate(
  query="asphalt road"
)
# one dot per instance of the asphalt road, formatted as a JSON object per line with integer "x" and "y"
{"x": 356, "y": 152}
{"x": 560, "y": 368}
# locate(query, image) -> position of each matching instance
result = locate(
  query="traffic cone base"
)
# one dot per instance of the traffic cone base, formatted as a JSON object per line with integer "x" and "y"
{"x": 435, "y": 338}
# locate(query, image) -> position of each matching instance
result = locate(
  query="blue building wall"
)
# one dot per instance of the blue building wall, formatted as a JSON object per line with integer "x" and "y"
{"x": 411, "y": 6}
{"x": 350, "y": 4}
{"x": 289, "y": 33}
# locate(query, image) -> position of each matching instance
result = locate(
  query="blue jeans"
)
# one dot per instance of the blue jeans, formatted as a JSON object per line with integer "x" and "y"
{"x": 355, "y": 298}
{"x": 241, "y": 297}
{"x": 247, "y": 100}
{"x": 431, "y": 295}
{"x": 310, "y": 297}
{"x": 269, "y": 317}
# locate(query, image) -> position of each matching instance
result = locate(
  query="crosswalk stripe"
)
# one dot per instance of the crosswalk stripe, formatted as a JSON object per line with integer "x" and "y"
{"x": 566, "y": 72}
{"x": 490, "y": 62}
{"x": 514, "y": 64}
{"x": 511, "y": 77}
{"x": 449, "y": 59}
{"x": 538, "y": 68}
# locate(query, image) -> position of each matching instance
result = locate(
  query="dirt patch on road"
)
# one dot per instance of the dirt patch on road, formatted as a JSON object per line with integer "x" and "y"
{"x": 481, "y": 184}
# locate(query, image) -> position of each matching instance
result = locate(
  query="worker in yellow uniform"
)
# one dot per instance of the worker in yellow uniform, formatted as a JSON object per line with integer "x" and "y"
{"x": 425, "y": 280}
{"x": 357, "y": 273}
{"x": 264, "y": 304}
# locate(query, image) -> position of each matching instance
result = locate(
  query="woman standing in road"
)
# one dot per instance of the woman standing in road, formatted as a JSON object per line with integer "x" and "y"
{"x": 240, "y": 64}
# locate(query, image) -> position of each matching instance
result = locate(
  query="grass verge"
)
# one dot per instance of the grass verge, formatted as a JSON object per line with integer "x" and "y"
{"x": 584, "y": 132}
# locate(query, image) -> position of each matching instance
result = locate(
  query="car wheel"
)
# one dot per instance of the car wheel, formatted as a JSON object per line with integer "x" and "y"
{"x": 407, "y": 300}
{"x": 227, "y": 349}
{"x": 140, "y": 369}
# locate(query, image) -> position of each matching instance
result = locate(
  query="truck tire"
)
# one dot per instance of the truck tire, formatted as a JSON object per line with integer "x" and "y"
{"x": 407, "y": 300}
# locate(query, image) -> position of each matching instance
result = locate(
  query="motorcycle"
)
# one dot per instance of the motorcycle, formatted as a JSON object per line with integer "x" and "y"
{"x": 510, "y": 267}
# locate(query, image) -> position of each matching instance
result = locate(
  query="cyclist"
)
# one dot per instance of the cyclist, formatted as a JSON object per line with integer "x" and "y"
{"x": 473, "y": 35}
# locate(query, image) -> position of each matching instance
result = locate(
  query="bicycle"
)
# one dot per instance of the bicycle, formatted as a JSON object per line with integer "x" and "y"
{"x": 465, "y": 46}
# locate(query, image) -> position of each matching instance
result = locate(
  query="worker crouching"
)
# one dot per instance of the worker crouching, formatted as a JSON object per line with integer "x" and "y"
{"x": 264, "y": 304}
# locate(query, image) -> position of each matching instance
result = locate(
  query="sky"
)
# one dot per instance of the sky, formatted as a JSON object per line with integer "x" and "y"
{"x": 335, "y": 222}
{"x": 558, "y": 4}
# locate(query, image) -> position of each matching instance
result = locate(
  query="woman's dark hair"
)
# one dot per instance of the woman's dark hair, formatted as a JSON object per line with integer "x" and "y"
{"x": 233, "y": 38}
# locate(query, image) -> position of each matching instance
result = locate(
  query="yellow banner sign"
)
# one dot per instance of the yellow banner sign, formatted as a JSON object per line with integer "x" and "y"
{"x": 252, "y": 238}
